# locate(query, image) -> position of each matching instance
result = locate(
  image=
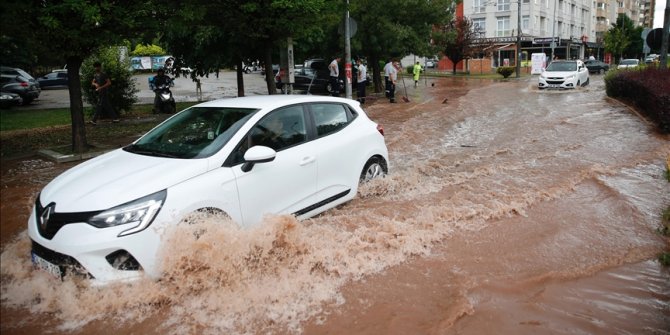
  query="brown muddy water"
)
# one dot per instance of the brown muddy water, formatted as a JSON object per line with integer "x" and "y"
{"x": 507, "y": 211}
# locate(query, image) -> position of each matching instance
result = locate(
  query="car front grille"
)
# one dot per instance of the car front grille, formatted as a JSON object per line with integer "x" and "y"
{"x": 66, "y": 263}
{"x": 49, "y": 222}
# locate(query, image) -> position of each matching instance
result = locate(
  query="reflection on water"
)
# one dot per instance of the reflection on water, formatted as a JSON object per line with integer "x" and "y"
{"x": 508, "y": 210}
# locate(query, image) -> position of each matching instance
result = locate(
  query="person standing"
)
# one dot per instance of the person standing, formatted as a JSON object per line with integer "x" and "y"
{"x": 335, "y": 76}
{"x": 362, "y": 80}
{"x": 387, "y": 72}
{"x": 101, "y": 84}
{"x": 417, "y": 72}
{"x": 393, "y": 79}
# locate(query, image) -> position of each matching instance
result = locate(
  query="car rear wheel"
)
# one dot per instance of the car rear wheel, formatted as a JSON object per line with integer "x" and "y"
{"x": 374, "y": 168}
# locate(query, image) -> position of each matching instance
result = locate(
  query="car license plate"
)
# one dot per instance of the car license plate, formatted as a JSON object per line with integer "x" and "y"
{"x": 44, "y": 265}
{"x": 554, "y": 86}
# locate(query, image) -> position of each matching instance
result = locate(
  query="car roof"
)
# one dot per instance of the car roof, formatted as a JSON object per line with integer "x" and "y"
{"x": 270, "y": 101}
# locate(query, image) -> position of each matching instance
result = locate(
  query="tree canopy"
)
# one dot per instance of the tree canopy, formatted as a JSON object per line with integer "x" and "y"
{"x": 624, "y": 39}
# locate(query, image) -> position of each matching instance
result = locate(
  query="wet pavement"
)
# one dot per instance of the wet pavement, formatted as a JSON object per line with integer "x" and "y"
{"x": 507, "y": 210}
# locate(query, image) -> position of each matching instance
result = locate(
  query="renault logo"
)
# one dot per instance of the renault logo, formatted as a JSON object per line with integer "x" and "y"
{"x": 44, "y": 217}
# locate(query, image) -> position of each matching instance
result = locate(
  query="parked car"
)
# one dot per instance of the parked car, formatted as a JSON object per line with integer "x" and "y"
{"x": 28, "y": 90}
{"x": 53, "y": 79}
{"x": 14, "y": 71}
{"x": 242, "y": 157}
{"x": 651, "y": 58}
{"x": 596, "y": 66}
{"x": 564, "y": 74}
{"x": 628, "y": 63}
{"x": 430, "y": 63}
{"x": 306, "y": 79}
{"x": 9, "y": 100}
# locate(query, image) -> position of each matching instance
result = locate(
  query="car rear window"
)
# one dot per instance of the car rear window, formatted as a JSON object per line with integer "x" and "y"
{"x": 329, "y": 118}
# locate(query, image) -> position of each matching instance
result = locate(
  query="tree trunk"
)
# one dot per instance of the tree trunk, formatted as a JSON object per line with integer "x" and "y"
{"x": 376, "y": 73}
{"x": 269, "y": 74}
{"x": 240, "y": 78}
{"x": 79, "y": 144}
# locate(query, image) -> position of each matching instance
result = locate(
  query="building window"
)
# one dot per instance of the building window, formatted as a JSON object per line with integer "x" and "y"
{"x": 479, "y": 6}
{"x": 479, "y": 26}
{"x": 503, "y": 5}
{"x": 503, "y": 27}
{"x": 525, "y": 22}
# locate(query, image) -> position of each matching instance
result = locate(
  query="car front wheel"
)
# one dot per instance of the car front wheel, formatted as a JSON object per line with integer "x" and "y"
{"x": 374, "y": 168}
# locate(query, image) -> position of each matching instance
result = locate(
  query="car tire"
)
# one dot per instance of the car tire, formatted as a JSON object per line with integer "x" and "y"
{"x": 374, "y": 168}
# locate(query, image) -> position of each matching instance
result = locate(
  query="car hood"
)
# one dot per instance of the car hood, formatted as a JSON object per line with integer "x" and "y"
{"x": 558, "y": 73}
{"x": 116, "y": 178}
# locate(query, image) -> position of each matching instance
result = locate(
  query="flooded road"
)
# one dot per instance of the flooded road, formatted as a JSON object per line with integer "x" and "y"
{"x": 508, "y": 210}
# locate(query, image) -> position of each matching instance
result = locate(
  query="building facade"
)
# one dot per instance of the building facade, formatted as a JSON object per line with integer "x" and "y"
{"x": 572, "y": 23}
{"x": 563, "y": 29}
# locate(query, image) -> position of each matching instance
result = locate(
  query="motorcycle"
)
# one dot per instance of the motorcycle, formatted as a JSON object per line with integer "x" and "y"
{"x": 166, "y": 102}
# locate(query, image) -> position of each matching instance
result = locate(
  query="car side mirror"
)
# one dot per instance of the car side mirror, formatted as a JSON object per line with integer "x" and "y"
{"x": 257, "y": 154}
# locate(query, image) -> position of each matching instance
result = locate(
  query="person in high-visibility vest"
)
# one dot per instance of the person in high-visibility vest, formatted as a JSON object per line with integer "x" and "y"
{"x": 417, "y": 71}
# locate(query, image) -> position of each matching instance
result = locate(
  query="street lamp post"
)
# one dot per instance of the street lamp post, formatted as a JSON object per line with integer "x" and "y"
{"x": 518, "y": 39}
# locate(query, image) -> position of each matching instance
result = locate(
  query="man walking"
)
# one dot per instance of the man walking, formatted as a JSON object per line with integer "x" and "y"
{"x": 417, "y": 72}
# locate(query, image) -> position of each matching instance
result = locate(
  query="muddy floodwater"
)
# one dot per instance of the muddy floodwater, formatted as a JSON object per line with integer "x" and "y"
{"x": 508, "y": 210}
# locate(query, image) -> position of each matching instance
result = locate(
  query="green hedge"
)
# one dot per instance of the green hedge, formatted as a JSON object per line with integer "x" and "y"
{"x": 648, "y": 89}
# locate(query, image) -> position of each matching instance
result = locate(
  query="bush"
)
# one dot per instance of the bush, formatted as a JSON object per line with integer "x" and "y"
{"x": 122, "y": 93}
{"x": 147, "y": 50}
{"x": 648, "y": 89}
{"x": 505, "y": 71}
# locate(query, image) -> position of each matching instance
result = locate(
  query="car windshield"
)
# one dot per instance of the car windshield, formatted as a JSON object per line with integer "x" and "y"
{"x": 196, "y": 132}
{"x": 562, "y": 66}
{"x": 629, "y": 62}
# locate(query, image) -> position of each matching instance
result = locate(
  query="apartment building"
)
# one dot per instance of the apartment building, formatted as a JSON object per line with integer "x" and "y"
{"x": 572, "y": 23}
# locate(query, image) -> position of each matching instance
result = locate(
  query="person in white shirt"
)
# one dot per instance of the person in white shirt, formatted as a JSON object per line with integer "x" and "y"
{"x": 334, "y": 76}
{"x": 391, "y": 71}
{"x": 362, "y": 80}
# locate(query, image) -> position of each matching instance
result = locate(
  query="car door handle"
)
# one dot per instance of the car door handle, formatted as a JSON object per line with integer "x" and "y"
{"x": 307, "y": 160}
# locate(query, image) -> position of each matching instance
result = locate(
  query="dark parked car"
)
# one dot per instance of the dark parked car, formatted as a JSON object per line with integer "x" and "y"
{"x": 307, "y": 79}
{"x": 53, "y": 79}
{"x": 8, "y": 100}
{"x": 20, "y": 85}
{"x": 596, "y": 66}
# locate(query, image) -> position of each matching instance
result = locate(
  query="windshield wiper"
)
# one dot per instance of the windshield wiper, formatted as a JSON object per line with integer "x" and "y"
{"x": 135, "y": 149}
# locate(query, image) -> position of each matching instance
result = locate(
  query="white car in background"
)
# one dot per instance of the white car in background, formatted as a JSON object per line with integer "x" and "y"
{"x": 242, "y": 157}
{"x": 564, "y": 74}
{"x": 628, "y": 63}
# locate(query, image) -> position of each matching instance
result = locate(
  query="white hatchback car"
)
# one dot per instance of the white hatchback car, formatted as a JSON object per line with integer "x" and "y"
{"x": 243, "y": 157}
{"x": 563, "y": 74}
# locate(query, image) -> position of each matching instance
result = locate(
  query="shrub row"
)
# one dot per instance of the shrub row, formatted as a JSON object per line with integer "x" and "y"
{"x": 648, "y": 89}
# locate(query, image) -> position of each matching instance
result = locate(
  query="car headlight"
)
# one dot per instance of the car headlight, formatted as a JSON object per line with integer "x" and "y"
{"x": 570, "y": 77}
{"x": 138, "y": 213}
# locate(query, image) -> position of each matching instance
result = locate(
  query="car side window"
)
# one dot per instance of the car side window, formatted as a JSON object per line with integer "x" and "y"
{"x": 330, "y": 118}
{"x": 279, "y": 130}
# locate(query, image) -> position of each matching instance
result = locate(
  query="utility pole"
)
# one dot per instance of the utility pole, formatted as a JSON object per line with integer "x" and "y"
{"x": 664, "y": 42}
{"x": 518, "y": 39}
{"x": 347, "y": 54}
{"x": 553, "y": 32}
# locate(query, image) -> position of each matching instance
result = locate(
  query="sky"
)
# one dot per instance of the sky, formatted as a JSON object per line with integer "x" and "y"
{"x": 658, "y": 13}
